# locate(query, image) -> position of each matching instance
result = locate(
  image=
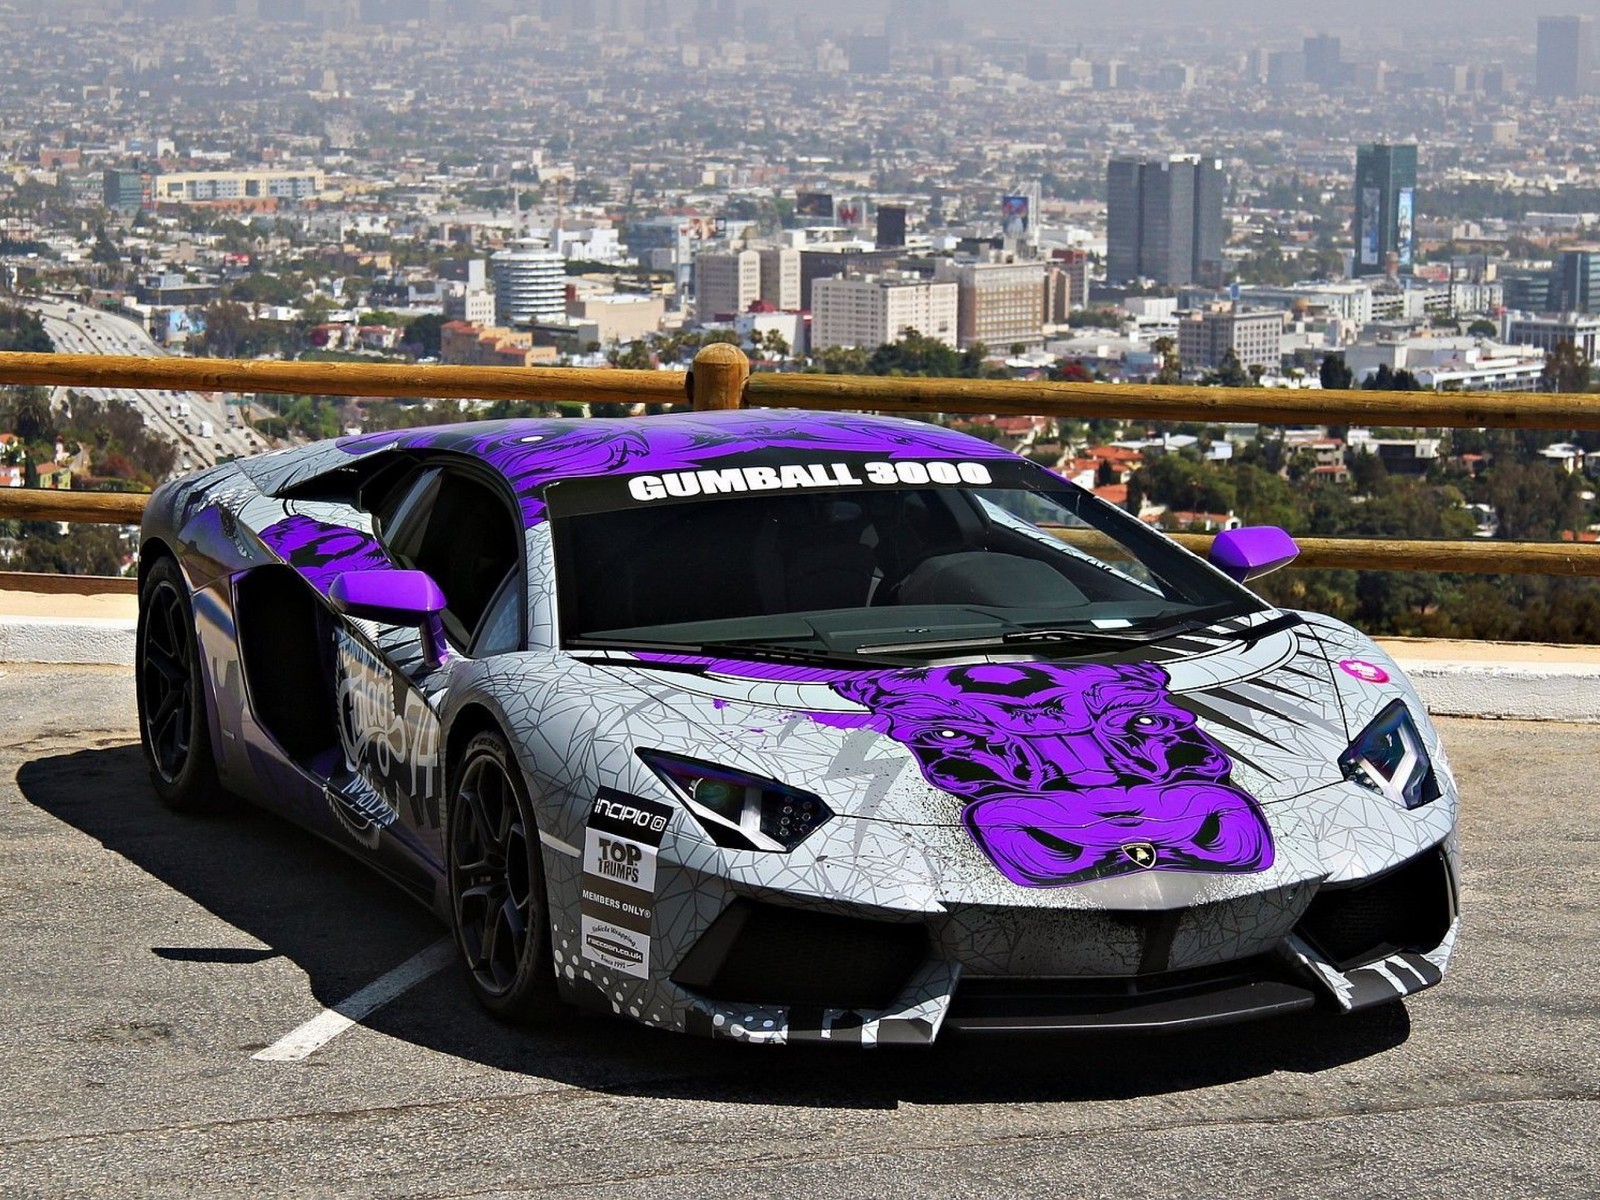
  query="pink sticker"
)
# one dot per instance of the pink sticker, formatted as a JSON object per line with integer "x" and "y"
{"x": 1364, "y": 671}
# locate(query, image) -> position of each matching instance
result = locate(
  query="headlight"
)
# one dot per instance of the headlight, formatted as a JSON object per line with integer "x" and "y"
{"x": 1388, "y": 756}
{"x": 743, "y": 812}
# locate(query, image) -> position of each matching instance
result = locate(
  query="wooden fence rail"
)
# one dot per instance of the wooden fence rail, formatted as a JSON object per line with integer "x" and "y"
{"x": 720, "y": 379}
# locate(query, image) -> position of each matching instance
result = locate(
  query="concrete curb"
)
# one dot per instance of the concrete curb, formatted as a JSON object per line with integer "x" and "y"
{"x": 1519, "y": 691}
{"x": 75, "y": 640}
{"x": 1555, "y": 683}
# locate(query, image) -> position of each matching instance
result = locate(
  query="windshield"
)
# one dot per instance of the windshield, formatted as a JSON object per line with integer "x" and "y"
{"x": 1023, "y": 559}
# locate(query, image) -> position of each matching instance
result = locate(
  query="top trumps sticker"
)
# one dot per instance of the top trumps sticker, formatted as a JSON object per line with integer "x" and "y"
{"x": 619, "y": 880}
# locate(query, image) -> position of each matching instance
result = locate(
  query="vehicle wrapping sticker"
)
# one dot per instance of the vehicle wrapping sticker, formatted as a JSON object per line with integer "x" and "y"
{"x": 532, "y": 453}
{"x": 322, "y": 552}
{"x": 1070, "y": 772}
{"x": 619, "y": 881}
{"x": 388, "y": 732}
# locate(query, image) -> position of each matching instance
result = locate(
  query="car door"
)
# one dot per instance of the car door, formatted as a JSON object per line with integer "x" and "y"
{"x": 457, "y": 526}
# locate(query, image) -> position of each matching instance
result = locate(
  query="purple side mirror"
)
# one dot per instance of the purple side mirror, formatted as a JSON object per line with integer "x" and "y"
{"x": 395, "y": 598}
{"x": 1251, "y": 552}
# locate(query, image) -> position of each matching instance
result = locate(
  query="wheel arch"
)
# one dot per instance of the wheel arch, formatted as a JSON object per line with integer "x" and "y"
{"x": 472, "y": 718}
{"x": 151, "y": 550}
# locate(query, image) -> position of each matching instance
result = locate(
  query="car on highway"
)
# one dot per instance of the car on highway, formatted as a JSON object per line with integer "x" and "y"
{"x": 790, "y": 727}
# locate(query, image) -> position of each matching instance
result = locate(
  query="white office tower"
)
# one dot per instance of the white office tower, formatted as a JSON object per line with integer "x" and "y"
{"x": 725, "y": 283}
{"x": 528, "y": 284}
{"x": 872, "y": 310}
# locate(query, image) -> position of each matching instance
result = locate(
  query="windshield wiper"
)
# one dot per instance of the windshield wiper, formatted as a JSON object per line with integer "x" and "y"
{"x": 733, "y": 648}
{"x": 1037, "y": 637}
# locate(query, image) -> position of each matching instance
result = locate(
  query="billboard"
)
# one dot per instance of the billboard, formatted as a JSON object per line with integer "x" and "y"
{"x": 1402, "y": 226}
{"x": 1014, "y": 216}
{"x": 814, "y": 205}
{"x": 1371, "y": 225}
{"x": 851, "y": 212}
{"x": 697, "y": 228}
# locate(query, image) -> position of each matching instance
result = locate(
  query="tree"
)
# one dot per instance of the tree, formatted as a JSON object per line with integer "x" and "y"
{"x": 1386, "y": 379}
{"x": 30, "y": 414}
{"x": 635, "y": 356}
{"x": 1230, "y": 372}
{"x": 423, "y": 333}
{"x": 230, "y": 330}
{"x": 774, "y": 344}
{"x": 1070, "y": 371}
{"x": 1483, "y": 328}
{"x": 1566, "y": 369}
{"x": 1335, "y": 375}
{"x": 105, "y": 251}
{"x": 1166, "y": 351}
{"x": 22, "y": 330}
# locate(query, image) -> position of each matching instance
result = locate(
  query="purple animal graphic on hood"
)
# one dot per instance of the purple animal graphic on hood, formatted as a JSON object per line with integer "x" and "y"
{"x": 1071, "y": 772}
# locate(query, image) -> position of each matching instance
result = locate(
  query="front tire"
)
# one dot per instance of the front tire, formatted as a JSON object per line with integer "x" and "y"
{"x": 173, "y": 728}
{"x": 498, "y": 906}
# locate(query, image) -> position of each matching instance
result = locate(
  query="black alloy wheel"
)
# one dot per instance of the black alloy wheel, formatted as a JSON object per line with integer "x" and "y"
{"x": 172, "y": 711}
{"x": 497, "y": 894}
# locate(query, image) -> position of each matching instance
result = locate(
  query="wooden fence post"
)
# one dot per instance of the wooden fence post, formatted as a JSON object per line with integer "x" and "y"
{"x": 716, "y": 380}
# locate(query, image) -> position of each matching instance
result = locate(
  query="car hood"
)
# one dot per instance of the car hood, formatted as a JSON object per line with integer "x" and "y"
{"x": 1213, "y": 755}
{"x": 1255, "y": 703}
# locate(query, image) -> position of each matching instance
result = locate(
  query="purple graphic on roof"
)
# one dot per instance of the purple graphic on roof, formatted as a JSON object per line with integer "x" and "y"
{"x": 533, "y": 453}
{"x": 322, "y": 552}
{"x": 1071, "y": 772}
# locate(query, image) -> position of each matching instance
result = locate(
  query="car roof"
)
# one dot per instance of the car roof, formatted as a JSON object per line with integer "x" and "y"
{"x": 534, "y": 452}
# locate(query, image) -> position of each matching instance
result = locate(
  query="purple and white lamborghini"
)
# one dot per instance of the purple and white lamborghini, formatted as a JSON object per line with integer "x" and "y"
{"x": 785, "y": 726}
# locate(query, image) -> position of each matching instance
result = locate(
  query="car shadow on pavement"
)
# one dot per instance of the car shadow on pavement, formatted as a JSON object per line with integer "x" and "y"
{"x": 343, "y": 926}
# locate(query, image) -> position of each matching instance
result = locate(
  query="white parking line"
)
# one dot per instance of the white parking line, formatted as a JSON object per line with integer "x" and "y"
{"x": 331, "y": 1022}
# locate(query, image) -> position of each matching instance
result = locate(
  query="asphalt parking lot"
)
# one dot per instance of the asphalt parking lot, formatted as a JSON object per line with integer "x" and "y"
{"x": 146, "y": 958}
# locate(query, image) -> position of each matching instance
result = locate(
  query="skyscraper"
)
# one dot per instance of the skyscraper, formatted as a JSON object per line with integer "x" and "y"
{"x": 1164, "y": 219}
{"x": 1323, "y": 65}
{"x": 1565, "y": 65}
{"x": 1385, "y": 203}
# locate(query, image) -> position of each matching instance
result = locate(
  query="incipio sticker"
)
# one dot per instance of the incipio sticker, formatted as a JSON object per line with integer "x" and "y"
{"x": 1361, "y": 669}
{"x": 619, "y": 880}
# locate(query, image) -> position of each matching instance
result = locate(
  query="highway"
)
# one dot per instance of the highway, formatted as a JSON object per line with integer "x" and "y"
{"x": 151, "y": 964}
{"x": 183, "y": 418}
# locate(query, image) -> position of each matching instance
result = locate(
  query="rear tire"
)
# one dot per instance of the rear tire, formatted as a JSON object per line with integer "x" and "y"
{"x": 173, "y": 727}
{"x": 498, "y": 906}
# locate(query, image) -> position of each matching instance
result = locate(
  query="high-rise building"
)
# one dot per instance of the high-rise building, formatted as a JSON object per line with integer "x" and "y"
{"x": 1323, "y": 64}
{"x": 999, "y": 302}
{"x": 528, "y": 284}
{"x": 1164, "y": 219}
{"x": 1066, "y": 284}
{"x": 1255, "y": 338}
{"x": 1385, "y": 203}
{"x": 821, "y": 262}
{"x": 780, "y": 277}
{"x": 868, "y": 54}
{"x": 872, "y": 310}
{"x": 891, "y": 226}
{"x": 726, "y": 282}
{"x": 1576, "y": 280}
{"x": 124, "y": 190}
{"x": 1286, "y": 68}
{"x": 1565, "y": 66}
